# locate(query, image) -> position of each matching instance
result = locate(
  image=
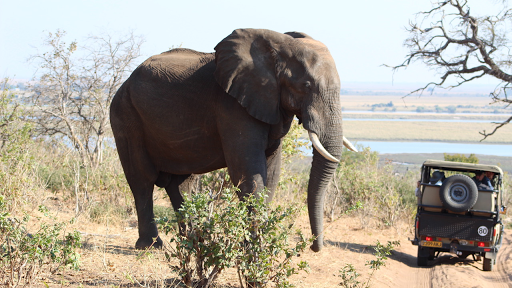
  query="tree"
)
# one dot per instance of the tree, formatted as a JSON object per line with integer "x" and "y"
{"x": 71, "y": 98}
{"x": 461, "y": 158}
{"x": 9, "y": 116}
{"x": 463, "y": 47}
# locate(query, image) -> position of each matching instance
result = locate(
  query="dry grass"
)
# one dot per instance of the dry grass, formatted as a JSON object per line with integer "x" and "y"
{"x": 424, "y": 131}
{"x": 400, "y": 100}
{"x": 355, "y": 107}
{"x": 411, "y": 103}
{"x": 348, "y": 115}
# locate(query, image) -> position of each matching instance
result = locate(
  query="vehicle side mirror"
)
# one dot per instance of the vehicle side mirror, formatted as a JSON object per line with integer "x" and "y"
{"x": 503, "y": 210}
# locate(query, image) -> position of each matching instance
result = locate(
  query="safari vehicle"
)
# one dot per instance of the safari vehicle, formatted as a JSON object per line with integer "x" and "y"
{"x": 455, "y": 215}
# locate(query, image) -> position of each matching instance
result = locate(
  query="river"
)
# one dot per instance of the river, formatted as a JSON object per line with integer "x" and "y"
{"x": 420, "y": 120}
{"x": 387, "y": 147}
{"x": 384, "y": 147}
{"x": 348, "y": 112}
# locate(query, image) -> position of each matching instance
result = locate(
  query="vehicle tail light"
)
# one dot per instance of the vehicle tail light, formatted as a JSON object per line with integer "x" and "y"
{"x": 481, "y": 244}
{"x": 487, "y": 249}
{"x": 428, "y": 238}
{"x": 494, "y": 232}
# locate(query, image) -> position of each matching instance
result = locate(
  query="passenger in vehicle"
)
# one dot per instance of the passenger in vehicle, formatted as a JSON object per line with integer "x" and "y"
{"x": 490, "y": 177}
{"x": 437, "y": 178}
{"x": 481, "y": 181}
{"x": 417, "y": 192}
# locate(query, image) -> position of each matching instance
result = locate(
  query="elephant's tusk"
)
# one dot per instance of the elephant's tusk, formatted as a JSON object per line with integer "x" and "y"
{"x": 320, "y": 148}
{"x": 349, "y": 145}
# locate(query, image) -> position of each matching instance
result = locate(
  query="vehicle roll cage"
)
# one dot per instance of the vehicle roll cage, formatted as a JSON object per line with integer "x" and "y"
{"x": 430, "y": 165}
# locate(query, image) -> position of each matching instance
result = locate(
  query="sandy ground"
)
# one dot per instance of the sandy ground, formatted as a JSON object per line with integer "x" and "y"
{"x": 348, "y": 245}
{"x": 109, "y": 260}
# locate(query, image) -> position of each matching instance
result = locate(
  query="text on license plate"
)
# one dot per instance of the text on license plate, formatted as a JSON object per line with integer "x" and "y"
{"x": 432, "y": 243}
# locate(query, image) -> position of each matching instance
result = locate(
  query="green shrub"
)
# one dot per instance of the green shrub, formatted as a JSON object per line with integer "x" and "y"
{"x": 219, "y": 233}
{"x": 349, "y": 275}
{"x": 384, "y": 195}
{"x": 24, "y": 256}
{"x": 294, "y": 143}
{"x": 163, "y": 212}
{"x": 461, "y": 158}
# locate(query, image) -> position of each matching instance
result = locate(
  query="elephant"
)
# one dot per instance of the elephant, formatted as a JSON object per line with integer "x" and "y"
{"x": 185, "y": 112}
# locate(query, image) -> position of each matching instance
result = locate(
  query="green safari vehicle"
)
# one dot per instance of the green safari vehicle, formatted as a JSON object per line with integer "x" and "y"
{"x": 459, "y": 214}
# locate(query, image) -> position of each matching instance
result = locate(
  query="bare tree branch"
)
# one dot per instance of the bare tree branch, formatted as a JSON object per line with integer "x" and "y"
{"x": 463, "y": 47}
{"x": 498, "y": 126}
{"x": 71, "y": 98}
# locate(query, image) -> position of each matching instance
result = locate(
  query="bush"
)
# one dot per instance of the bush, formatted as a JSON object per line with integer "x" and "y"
{"x": 16, "y": 160}
{"x": 59, "y": 168}
{"x": 218, "y": 233}
{"x": 349, "y": 274}
{"x": 24, "y": 256}
{"x": 380, "y": 193}
{"x": 461, "y": 158}
{"x": 163, "y": 212}
{"x": 295, "y": 142}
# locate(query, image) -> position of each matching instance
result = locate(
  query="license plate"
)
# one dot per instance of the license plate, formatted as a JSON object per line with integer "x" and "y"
{"x": 431, "y": 243}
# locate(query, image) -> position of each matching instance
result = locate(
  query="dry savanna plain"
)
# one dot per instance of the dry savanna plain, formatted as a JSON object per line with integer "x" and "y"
{"x": 447, "y": 107}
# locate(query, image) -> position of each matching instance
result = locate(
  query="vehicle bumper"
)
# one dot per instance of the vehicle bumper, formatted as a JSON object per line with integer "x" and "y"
{"x": 453, "y": 248}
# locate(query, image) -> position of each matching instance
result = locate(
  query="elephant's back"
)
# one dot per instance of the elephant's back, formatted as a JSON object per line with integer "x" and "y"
{"x": 175, "y": 65}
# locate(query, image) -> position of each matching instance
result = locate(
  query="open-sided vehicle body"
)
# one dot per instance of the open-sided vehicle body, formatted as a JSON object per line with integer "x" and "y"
{"x": 455, "y": 215}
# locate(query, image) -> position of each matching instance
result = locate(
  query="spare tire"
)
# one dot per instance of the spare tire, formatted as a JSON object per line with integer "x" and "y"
{"x": 458, "y": 193}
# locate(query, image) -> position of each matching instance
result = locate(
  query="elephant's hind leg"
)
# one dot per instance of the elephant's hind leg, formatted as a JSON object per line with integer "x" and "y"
{"x": 148, "y": 232}
{"x": 174, "y": 185}
{"x": 141, "y": 176}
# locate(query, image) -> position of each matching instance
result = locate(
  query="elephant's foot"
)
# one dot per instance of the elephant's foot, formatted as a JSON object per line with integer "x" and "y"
{"x": 144, "y": 243}
{"x": 317, "y": 245}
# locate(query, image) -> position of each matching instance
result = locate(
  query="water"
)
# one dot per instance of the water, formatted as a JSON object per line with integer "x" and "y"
{"x": 420, "y": 120}
{"x": 348, "y": 112}
{"x": 384, "y": 147}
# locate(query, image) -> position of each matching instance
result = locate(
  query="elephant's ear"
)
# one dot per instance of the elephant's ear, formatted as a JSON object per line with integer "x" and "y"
{"x": 246, "y": 70}
{"x": 298, "y": 35}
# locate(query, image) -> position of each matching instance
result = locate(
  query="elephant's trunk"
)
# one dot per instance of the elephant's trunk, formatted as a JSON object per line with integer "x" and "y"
{"x": 321, "y": 173}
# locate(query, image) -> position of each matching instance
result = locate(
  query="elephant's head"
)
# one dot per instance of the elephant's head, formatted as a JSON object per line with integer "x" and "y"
{"x": 271, "y": 74}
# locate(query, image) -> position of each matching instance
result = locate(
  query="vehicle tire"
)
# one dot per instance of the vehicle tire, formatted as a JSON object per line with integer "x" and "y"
{"x": 422, "y": 260}
{"x": 458, "y": 193}
{"x": 488, "y": 264}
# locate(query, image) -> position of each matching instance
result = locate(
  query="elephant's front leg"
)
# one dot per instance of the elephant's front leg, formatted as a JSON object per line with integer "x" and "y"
{"x": 273, "y": 168}
{"x": 244, "y": 141}
{"x": 248, "y": 172}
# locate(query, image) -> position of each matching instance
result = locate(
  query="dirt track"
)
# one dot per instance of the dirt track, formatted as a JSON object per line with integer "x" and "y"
{"x": 451, "y": 271}
{"x": 346, "y": 244}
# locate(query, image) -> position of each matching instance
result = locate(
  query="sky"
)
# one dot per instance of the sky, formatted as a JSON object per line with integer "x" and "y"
{"x": 361, "y": 35}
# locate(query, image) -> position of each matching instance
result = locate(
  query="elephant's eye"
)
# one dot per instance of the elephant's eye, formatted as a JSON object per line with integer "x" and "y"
{"x": 307, "y": 84}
